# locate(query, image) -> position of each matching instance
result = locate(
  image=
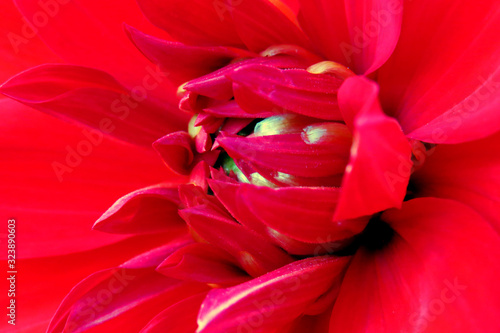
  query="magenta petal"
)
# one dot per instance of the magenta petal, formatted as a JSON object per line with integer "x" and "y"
{"x": 152, "y": 209}
{"x": 196, "y": 22}
{"x": 418, "y": 282}
{"x": 302, "y": 213}
{"x": 254, "y": 253}
{"x": 279, "y": 296}
{"x": 203, "y": 263}
{"x": 296, "y": 90}
{"x": 261, "y": 24}
{"x": 93, "y": 98}
{"x": 380, "y": 156}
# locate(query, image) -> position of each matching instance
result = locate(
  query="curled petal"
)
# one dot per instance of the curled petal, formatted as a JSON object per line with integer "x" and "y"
{"x": 177, "y": 151}
{"x": 132, "y": 288}
{"x": 229, "y": 194}
{"x": 380, "y": 164}
{"x": 183, "y": 62}
{"x": 95, "y": 99}
{"x": 217, "y": 84}
{"x": 254, "y": 253}
{"x": 321, "y": 152}
{"x": 296, "y": 90}
{"x": 279, "y": 296}
{"x": 203, "y": 263}
{"x": 374, "y": 26}
{"x": 302, "y": 213}
{"x": 152, "y": 209}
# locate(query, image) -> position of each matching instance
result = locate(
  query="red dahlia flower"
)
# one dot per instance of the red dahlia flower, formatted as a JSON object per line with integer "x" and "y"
{"x": 331, "y": 165}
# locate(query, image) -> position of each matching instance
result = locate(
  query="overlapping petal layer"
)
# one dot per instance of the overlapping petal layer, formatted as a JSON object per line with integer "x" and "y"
{"x": 292, "y": 172}
{"x": 419, "y": 281}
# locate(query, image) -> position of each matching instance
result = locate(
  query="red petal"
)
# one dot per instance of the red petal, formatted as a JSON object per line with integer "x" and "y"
{"x": 197, "y": 22}
{"x": 62, "y": 173}
{"x": 200, "y": 174}
{"x": 133, "y": 308}
{"x": 374, "y": 27}
{"x": 97, "y": 40}
{"x": 442, "y": 82}
{"x": 439, "y": 273}
{"x": 325, "y": 23}
{"x": 183, "y": 62}
{"x": 235, "y": 125}
{"x": 208, "y": 122}
{"x": 261, "y": 24}
{"x": 95, "y": 99}
{"x": 380, "y": 156}
{"x": 20, "y": 47}
{"x": 468, "y": 173}
{"x": 270, "y": 301}
{"x": 203, "y": 263}
{"x": 38, "y": 278}
{"x": 178, "y": 318}
{"x": 104, "y": 301}
{"x": 217, "y": 85}
{"x": 316, "y": 324}
{"x": 302, "y": 213}
{"x": 259, "y": 175}
{"x": 228, "y": 194}
{"x": 151, "y": 209}
{"x": 322, "y": 150}
{"x": 177, "y": 150}
{"x": 123, "y": 251}
{"x": 253, "y": 252}
{"x": 193, "y": 196}
{"x": 231, "y": 109}
{"x": 214, "y": 85}
{"x": 297, "y": 90}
